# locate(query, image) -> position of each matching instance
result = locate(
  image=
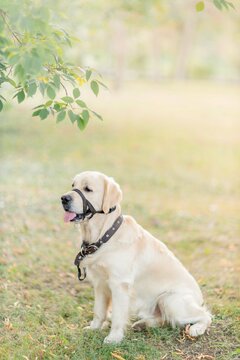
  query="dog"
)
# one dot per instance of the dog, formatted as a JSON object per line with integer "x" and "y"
{"x": 131, "y": 271}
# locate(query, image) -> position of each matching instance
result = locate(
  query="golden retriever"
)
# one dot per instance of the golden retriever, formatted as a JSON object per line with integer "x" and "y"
{"x": 133, "y": 272}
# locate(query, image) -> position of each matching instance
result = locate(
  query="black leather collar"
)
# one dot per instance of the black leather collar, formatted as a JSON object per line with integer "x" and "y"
{"x": 88, "y": 249}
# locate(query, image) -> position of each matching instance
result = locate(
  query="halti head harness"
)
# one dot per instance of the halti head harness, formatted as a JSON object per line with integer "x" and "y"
{"x": 88, "y": 208}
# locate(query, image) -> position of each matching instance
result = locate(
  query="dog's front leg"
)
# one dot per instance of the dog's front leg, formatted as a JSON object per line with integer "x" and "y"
{"x": 101, "y": 302}
{"x": 120, "y": 309}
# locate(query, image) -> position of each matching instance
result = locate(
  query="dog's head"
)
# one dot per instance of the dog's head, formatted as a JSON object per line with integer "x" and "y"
{"x": 100, "y": 190}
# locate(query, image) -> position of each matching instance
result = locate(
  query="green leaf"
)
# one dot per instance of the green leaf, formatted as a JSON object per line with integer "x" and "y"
{"x": 81, "y": 103}
{"x": 51, "y": 92}
{"x": 56, "y": 80}
{"x": 95, "y": 87}
{"x": 81, "y": 123}
{"x": 1, "y": 105}
{"x": 43, "y": 114}
{"x": 231, "y": 5}
{"x": 36, "y": 113}
{"x": 48, "y": 103}
{"x": 19, "y": 72}
{"x": 224, "y": 3}
{"x": 57, "y": 107}
{"x": 32, "y": 88}
{"x": 88, "y": 74}
{"x": 76, "y": 93}
{"x": 218, "y": 4}
{"x": 42, "y": 88}
{"x": 20, "y": 96}
{"x": 61, "y": 116}
{"x": 68, "y": 99}
{"x": 200, "y": 6}
{"x": 72, "y": 116}
{"x": 85, "y": 115}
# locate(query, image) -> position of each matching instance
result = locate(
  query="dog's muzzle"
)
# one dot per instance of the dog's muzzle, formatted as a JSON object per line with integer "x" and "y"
{"x": 88, "y": 209}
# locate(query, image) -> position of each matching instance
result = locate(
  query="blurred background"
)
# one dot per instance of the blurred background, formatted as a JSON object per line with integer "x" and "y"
{"x": 170, "y": 138}
{"x": 157, "y": 40}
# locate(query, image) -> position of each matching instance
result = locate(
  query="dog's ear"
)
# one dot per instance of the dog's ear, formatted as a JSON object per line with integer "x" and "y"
{"x": 112, "y": 194}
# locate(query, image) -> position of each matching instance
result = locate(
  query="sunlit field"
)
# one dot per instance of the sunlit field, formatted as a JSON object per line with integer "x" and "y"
{"x": 175, "y": 151}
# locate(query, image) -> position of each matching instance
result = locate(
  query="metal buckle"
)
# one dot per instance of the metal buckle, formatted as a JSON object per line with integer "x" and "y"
{"x": 90, "y": 249}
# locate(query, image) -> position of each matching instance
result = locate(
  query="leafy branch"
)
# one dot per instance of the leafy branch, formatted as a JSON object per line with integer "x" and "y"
{"x": 220, "y": 4}
{"x": 32, "y": 62}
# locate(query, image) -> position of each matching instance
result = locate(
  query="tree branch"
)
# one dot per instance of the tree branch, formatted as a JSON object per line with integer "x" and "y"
{"x": 4, "y": 15}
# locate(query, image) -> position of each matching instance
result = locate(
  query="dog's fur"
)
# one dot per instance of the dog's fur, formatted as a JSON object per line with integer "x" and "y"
{"x": 133, "y": 273}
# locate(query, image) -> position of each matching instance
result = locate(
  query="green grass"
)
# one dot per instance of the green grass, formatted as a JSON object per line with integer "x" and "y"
{"x": 175, "y": 151}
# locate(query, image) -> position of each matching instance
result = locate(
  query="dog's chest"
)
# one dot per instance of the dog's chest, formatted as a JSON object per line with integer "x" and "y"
{"x": 97, "y": 271}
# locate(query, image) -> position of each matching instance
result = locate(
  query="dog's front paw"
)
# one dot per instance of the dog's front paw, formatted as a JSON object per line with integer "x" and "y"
{"x": 114, "y": 338}
{"x": 105, "y": 325}
{"x": 139, "y": 325}
{"x": 93, "y": 326}
{"x": 87, "y": 327}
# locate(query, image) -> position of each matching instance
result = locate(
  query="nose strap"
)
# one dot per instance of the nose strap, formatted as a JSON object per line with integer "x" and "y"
{"x": 84, "y": 200}
{"x": 88, "y": 208}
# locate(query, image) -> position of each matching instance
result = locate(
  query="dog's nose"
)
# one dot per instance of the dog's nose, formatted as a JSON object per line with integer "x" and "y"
{"x": 66, "y": 199}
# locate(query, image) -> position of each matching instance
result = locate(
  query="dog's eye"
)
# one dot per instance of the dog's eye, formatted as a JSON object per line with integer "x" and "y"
{"x": 72, "y": 184}
{"x": 87, "y": 189}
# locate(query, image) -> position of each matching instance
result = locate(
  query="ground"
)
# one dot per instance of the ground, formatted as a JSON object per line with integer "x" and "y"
{"x": 174, "y": 149}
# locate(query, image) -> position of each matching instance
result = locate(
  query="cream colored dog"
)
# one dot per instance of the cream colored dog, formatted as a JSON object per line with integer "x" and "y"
{"x": 133, "y": 272}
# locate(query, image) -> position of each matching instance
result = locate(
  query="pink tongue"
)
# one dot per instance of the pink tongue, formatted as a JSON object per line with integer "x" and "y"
{"x": 68, "y": 216}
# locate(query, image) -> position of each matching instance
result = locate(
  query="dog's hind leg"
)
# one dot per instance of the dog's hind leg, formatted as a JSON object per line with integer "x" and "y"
{"x": 144, "y": 323}
{"x": 181, "y": 310}
{"x": 153, "y": 320}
